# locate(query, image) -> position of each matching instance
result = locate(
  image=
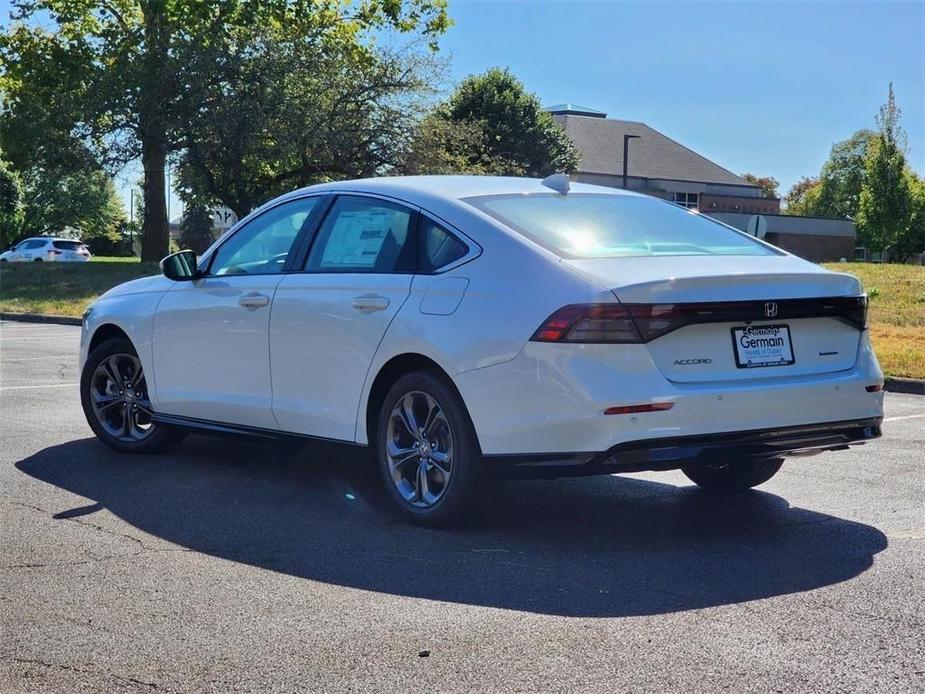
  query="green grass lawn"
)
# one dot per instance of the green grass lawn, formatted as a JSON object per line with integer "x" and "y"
{"x": 896, "y": 315}
{"x": 897, "y": 304}
{"x": 64, "y": 289}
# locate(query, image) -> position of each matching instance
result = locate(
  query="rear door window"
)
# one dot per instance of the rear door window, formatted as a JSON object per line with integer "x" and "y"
{"x": 365, "y": 235}
{"x": 67, "y": 245}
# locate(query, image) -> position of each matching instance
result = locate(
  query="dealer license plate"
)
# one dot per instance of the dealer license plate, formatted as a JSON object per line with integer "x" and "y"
{"x": 762, "y": 345}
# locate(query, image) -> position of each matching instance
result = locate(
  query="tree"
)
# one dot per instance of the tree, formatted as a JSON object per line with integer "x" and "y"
{"x": 800, "y": 196}
{"x": 286, "y": 115}
{"x": 11, "y": 203}
{"x": 113, "y": 73}
{"x": 196, "y": 229}
{"x": 916, "y": 232}
{"x": 83, "y": 202}
{"x": 886, "y": 202}
{"x": 768, "y": 184}
{"x": 445, "y": 146}
{"x": 517, "y": 137}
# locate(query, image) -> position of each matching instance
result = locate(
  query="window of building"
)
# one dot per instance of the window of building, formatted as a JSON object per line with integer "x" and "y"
{"x": 689, "y": 200}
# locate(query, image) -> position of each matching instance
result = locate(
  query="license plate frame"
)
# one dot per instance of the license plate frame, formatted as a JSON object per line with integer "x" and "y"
{"x": 772, "y": 355}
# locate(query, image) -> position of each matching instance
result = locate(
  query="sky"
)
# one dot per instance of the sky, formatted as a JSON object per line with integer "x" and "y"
{"x": 764, "y": 87}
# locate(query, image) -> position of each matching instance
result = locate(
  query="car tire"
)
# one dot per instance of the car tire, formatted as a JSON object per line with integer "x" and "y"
{"x": 433, "y": 479}
{"x": 733, "y": 476}
{"x": 113, "y": 388}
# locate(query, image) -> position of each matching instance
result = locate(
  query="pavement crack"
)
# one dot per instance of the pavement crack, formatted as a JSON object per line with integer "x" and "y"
{"x": 83, "y": 671}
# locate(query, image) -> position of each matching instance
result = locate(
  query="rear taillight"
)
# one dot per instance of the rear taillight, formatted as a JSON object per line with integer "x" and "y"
{"x": 601, "y": 323}
{"x": 857, "y": 313}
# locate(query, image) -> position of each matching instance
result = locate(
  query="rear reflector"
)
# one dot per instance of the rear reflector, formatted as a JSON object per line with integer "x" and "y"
{"x": 876, "y": 388}
{"x": 600, "y": 323}
{"x": 633, "y": 409}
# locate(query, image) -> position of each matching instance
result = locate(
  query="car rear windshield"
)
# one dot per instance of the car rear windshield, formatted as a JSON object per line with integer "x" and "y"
{"x": 68, "y": 245}
{"x": 588, "y": 225}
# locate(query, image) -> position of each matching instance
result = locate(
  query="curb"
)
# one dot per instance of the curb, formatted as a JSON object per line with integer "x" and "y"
{"x": 913, "y": 386}
{"x": 40, "y": 318}
{"x": 893, "y": 384}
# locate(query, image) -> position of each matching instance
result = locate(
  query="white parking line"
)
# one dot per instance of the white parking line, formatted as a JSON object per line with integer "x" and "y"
{"x": 41, "y": 385}
{"x": 69, "y": 358}
{"x": 905, "y": 416}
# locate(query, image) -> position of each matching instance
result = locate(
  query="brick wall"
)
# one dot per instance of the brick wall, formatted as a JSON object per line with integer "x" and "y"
{"x": 818, "y": 249}
{"x": 733, "y": 203}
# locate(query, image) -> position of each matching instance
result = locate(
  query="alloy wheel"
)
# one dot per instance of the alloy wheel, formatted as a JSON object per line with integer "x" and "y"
{"x": 419, "y": 449}
{"x": 119, "y": 396}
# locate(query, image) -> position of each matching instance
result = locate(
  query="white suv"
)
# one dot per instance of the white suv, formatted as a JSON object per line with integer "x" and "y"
{"x": 47, "y": 248}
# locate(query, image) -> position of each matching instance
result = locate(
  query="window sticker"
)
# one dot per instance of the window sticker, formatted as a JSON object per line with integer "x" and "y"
{"x": 357, "y": 237}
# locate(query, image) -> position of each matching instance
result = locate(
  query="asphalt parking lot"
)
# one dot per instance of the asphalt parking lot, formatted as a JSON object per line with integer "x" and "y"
{"x": 231, "y": 566}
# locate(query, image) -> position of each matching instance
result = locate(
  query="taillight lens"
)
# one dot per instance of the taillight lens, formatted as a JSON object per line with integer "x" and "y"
{"x": 859, "y": 317}
{"x": 646, "y": 322}
{"x": 601, "y": 323}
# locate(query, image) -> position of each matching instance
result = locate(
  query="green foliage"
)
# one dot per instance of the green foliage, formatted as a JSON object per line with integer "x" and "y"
{"x": 80, "y": 203}
{"x": 111, "y": 78}
{"x": 491, "y": 124}
{"x": 886, "y": 210}
{"x": 800, "y": 197}
{"x": 196, "y": 229}
{"x": 841, "y": 179}
{"x": 445, "y": 146}
{"x": 768, "y": 184}
{"x": 866, "y": 180}
{"x": 286, "y": 114}
{"x": 12, "y": 208}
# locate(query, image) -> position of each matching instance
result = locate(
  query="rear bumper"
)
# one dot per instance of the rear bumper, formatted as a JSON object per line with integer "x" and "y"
{"x": 553, "y": 398}
{"x": 674, "y": 452}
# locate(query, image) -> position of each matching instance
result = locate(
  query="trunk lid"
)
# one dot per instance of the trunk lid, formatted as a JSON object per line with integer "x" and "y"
{"x": 730, "y": 318}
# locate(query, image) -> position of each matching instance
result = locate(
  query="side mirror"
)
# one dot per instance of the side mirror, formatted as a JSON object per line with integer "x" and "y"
{"x": 180, "y": 266}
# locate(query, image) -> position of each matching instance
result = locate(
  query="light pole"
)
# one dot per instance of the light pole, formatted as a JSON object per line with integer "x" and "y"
{"x": 131, "y": 221}
{"x": 626, "y": 145}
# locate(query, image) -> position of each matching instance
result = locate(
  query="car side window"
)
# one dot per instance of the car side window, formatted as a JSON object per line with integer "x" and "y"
{"x": 365, "y": 235}
{"x": 32, "y": 245}
{"x": 263, "y": 244}
{"x": 439, "y": 247}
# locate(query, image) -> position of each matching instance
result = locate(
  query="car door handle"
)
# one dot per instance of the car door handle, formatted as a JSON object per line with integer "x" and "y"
{"x": 254, "y": 301}
{"x": 370, "y": 303}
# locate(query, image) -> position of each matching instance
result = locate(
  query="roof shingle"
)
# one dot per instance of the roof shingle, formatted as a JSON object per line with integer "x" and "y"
{"x": 653, "y": 155}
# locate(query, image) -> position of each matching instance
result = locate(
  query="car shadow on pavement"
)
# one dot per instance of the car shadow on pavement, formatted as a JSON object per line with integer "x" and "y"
{"x": 604, "y": 546}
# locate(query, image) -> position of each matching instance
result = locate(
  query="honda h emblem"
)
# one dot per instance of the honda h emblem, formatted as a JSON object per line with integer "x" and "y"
{"x": 770, "y": 309}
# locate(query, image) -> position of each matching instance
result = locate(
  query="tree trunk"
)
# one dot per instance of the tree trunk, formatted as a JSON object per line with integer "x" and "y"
{"x": 155, "y": 236}
{"x": 153, "y": 117}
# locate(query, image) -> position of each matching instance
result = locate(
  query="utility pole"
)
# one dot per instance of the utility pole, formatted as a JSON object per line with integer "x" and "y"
{"x": 131, "y": 221}
{"x": 626, "y": 144}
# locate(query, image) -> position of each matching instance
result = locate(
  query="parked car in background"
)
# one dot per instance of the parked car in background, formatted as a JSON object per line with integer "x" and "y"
{"x": 458, "y": 325}
{"x": 40, "y": 249}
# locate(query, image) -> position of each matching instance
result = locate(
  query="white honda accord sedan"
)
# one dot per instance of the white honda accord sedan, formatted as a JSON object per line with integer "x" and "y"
{"x": 458, "y": 326}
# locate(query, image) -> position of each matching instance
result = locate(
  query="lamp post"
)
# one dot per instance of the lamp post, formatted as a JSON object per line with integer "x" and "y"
{"x": 626, "y": 144}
